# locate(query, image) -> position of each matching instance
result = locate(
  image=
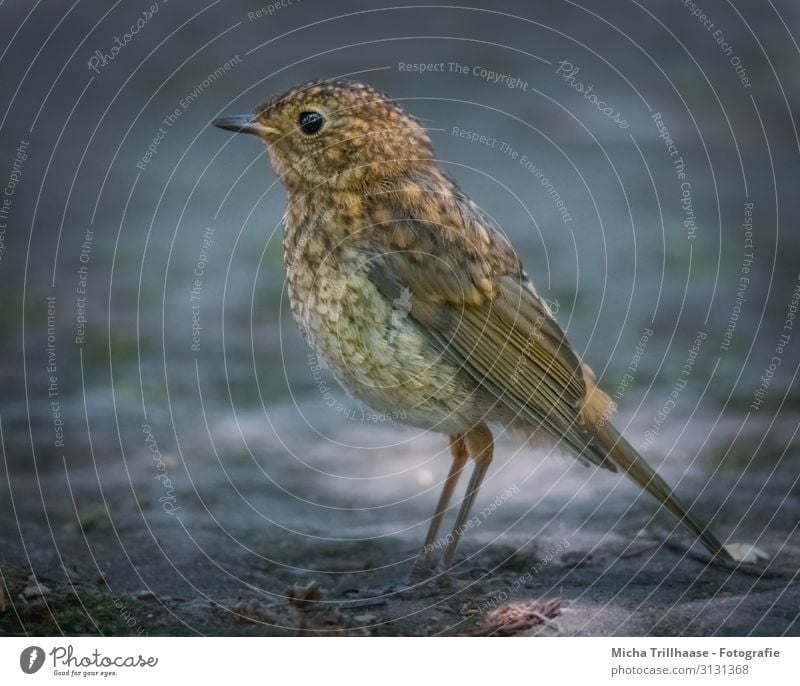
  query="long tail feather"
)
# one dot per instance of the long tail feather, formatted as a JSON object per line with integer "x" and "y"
{"x": 629, "y": 461}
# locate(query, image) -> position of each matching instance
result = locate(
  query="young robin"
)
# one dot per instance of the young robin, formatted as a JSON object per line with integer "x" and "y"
{"x": 373, "y": 220}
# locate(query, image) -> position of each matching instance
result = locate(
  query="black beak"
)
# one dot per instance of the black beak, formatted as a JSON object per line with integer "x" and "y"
{"x": 243, "y": 123}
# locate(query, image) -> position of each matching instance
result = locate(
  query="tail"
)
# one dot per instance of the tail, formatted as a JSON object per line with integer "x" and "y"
{"x": 624, "y": 456}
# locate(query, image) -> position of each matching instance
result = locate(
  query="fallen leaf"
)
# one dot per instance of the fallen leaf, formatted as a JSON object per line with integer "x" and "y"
{"x": 518, "y": 617}
{"x": 253, "y": 610}
{"x": 303, "y": 597}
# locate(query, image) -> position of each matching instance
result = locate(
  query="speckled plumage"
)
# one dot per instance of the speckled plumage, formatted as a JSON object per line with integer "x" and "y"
{"x": 374, "y": 349}
{"x": 373, "y": 221}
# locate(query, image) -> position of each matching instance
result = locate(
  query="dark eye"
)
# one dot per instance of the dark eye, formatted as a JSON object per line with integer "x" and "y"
{"x": 311, "y": 122}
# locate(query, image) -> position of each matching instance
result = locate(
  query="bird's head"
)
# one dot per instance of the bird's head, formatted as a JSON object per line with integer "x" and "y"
{"x": 346, "y": 136}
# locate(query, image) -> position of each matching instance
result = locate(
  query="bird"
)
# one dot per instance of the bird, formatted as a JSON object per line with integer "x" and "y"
{"x": 373, "y": 220}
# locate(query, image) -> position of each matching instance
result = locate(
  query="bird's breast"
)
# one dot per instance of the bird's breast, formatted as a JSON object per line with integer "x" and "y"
{"x": 370, "y": 342}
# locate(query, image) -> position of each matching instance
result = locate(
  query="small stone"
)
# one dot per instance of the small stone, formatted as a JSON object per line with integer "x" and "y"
{"x": 35, "y": 590}
{"x": 746, "y": 552}
{"x": 365, "y": 618}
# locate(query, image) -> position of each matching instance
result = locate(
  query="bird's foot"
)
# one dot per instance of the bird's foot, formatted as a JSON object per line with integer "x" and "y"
{"x": 423, "y": 570}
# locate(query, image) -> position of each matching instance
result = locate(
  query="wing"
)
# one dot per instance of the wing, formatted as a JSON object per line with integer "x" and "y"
{"x": 472, "y": 299}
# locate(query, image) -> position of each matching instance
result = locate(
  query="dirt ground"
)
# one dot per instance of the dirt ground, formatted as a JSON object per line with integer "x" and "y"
{"x": 258, "y": 543}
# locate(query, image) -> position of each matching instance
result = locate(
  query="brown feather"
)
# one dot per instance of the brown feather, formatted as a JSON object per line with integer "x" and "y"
{"x": 481, "y": 311}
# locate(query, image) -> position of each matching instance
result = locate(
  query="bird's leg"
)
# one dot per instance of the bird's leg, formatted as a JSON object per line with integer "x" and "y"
{"x": 480, "y": 446}
{"x": 460, "y": 456}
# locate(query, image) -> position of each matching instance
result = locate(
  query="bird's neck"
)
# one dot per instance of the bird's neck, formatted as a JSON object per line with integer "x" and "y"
{"x": 327, "y": 216}
{"x": 318, "y": 221}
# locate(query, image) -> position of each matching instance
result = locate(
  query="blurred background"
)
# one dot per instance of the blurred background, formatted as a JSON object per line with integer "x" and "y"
{"x": 168, "y": 440}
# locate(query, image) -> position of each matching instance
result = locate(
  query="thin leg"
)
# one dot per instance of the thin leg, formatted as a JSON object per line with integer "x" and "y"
{"x": 460, "y": 456}
{"x": 480, "y": 446}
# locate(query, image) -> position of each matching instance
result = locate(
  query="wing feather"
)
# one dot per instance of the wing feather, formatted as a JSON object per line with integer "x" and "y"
{"x": 472, "y": 299}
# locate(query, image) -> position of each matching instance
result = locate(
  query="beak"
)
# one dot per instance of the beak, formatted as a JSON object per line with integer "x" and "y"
{"x": 245, "y": 123}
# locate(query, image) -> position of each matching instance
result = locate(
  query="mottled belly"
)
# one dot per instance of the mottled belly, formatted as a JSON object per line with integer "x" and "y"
{"x": 378, "y": 355}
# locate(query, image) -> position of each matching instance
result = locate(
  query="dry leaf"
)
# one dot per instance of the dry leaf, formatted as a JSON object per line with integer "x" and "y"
{"x": 518, "y": 617}
{"x": 253, "y": 610}
{"x": 303, "y": 597}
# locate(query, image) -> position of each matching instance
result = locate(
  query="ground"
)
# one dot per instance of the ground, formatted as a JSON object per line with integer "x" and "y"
{"x": 265, "y": 545}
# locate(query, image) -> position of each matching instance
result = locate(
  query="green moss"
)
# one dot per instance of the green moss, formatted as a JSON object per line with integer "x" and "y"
{"x": 93, "y": 613}
{"x": 89, "y": 613}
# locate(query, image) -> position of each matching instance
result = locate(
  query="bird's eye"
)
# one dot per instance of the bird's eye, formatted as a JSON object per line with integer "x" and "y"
{"x": 311, "y": 122}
